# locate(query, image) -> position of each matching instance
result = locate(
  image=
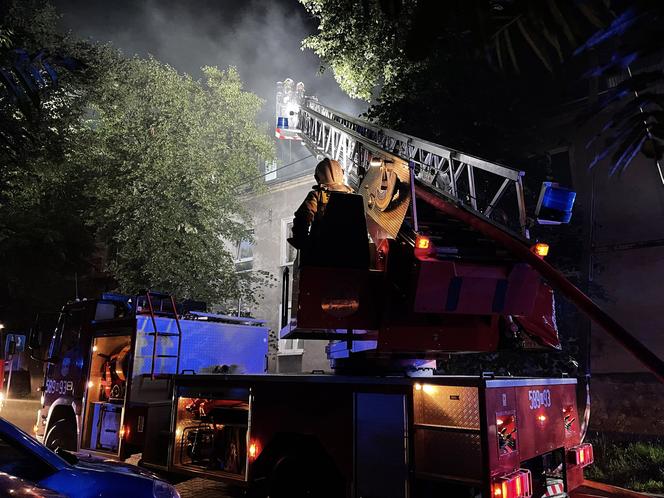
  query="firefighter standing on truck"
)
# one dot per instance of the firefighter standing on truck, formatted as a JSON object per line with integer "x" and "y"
{"x": 329, "y": 178}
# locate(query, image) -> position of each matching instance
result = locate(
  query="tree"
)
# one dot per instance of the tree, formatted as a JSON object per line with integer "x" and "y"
{"x": 169, "y": 158}
{"x": 120, "y": 175}
{"x": 485, "y": 76}
{"x": 44, "y": 242}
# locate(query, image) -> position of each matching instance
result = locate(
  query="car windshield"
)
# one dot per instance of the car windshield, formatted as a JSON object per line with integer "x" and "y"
{"x": 14, "y": 436}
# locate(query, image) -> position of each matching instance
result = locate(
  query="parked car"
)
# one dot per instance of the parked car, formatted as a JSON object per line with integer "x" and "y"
{"x": 23, "y": 457}
{"x": 16, "y": 487}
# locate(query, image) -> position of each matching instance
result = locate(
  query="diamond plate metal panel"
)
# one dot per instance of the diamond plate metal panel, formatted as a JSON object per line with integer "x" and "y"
{"x": 447, "y": 453}
{"x": 450, "y": 406}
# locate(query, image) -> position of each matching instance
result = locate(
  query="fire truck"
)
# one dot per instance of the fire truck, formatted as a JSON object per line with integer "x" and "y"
{"x": 432, "y": 255}
{"x": 109, "y": 365}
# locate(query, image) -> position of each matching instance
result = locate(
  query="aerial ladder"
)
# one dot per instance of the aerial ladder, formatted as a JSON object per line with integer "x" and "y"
{"x": 452, "y": 266}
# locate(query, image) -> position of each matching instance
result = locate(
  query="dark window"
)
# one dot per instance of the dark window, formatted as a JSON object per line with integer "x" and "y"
{"x": 18, "y": 461}
{"x": 561, "y": 170}
{"x": 244, "y": 257}
{"x": 68, "y": 332}
{"x": 289, "y": 250}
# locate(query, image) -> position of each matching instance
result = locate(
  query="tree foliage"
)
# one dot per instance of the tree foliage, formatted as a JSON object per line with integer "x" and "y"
{"x": 121, "y": 175}
{"x": 632, "y": 109}
{"x": 167, "y": 156}
{"x": 484, "y": 76}
{"x": 43, "y": 239}
{"x": 361, "y": 43}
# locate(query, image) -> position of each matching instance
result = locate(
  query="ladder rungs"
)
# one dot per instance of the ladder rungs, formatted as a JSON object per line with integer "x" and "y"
{"x": 164, "y": 334}
{"x": 165, "y": 356}
{"x": 158, "y": 294}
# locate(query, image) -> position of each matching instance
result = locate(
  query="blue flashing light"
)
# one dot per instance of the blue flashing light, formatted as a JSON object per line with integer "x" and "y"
{"x": 555, "y": 204}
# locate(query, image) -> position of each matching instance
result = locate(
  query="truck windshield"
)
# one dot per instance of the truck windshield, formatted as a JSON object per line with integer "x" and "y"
{"x": 67, "y": 332}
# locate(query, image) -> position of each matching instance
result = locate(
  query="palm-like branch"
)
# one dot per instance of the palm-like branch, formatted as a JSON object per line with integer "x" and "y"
{"x": 636, "y": 105}
{"x": 24, "y": 81}
{"x": 550, "y": 30}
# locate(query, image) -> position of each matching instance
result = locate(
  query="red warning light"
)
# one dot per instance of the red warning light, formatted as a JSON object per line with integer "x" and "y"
{"x": 518, "y": 484}
{"x": 581, "y": 455}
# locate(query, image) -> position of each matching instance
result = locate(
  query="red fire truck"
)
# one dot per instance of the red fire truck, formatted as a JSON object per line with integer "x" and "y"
{"x": 447, "y": 267}
{"x": 431, "y": 256}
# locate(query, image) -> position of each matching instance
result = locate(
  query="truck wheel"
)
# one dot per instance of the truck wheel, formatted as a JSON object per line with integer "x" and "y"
{"x": 295, "y": 477}
{"x": 61, "y": 434}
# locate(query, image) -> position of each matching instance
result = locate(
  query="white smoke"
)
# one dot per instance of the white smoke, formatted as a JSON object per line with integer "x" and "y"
{"x": 261, "y": 38}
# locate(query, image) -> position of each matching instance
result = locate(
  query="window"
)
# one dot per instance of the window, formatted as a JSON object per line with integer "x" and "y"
{"x": 244, "y": 257}
{"x": 288, "y": 252}
{"x": 18, "y": 461}
{"x": 67, "y": 333}
{"x": 290, "y": 346}
{"x": 270, "y": 170}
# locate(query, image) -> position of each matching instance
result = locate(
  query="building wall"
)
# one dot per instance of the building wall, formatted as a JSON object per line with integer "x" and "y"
{"x": 625, "y": 226}
{"x": 625, "y": 232}
{"x": 272, "y": 210}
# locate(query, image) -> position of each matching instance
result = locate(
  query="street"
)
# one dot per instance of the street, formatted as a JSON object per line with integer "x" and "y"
{"x": 21, "y": 412}
{"x": 197, "y": 487}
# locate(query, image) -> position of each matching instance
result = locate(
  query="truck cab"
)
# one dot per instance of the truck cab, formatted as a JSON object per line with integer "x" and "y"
{"x": 86, "y": 336}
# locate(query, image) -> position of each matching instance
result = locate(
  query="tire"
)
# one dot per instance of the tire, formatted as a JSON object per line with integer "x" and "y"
{"x": 61, "y": 434}
{"x": 296, "y": 477}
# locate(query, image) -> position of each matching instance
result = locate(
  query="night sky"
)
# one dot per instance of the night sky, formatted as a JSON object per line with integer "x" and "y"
{"x": 260, "y": 37}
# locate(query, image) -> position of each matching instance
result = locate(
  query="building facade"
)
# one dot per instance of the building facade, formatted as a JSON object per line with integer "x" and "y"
{"x": 287, "y": 183}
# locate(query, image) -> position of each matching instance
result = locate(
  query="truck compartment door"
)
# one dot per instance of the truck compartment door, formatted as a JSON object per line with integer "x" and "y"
{"x": 381, "y": 465}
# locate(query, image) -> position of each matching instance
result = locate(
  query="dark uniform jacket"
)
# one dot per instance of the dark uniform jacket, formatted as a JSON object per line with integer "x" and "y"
{"x": 329, "y": 176}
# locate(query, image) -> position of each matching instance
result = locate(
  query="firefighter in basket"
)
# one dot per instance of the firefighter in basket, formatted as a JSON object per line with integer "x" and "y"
{"x": 329, "y": 178}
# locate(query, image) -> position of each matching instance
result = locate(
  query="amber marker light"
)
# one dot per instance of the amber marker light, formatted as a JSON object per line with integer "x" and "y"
{"x": 422, "y": 242}
{"x": 253, "y": 450}
{"x": 424, "y": 248}
{"x": 541, "y": 249}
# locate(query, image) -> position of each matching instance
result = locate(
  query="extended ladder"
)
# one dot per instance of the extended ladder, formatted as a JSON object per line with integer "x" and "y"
{"x": 475, "y": 184}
